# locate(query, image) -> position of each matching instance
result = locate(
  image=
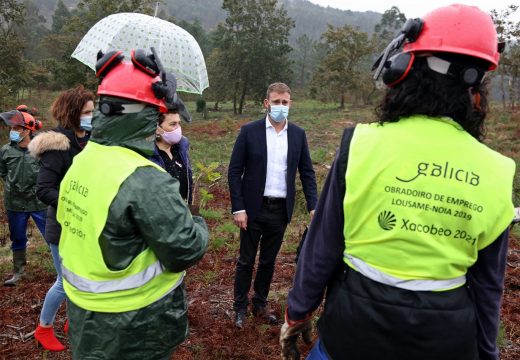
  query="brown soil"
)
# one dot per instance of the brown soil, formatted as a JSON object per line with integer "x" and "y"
{"x": 212, "y": 334}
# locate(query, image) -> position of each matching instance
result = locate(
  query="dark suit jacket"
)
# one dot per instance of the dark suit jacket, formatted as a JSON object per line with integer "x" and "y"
{"x": 248, "y": 167}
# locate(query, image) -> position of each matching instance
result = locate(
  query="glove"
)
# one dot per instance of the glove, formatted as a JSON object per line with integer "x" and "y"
{"x": 289, "y": 334}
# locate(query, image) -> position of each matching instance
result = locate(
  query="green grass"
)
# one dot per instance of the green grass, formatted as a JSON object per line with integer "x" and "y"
{"x": 211, "y": 214}
{"x": 217, "y": 242}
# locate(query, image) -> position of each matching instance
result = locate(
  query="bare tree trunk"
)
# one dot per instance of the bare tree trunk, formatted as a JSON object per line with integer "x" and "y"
{"x": 235, "y": 98}
{"x": 342, "y": 103}
{"x": 242, "y": 98}
{"x": 503, "y": 90}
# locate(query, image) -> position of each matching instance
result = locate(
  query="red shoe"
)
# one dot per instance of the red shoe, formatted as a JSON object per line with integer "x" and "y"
{"x": 46, "y": 338}
{"x": 66, "y": 327}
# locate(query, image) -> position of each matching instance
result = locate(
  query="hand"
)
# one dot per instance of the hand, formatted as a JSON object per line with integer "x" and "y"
{"x": 289, "y": 334}
{"x": 240, "y": 220}
{"x": 311, "y": 213}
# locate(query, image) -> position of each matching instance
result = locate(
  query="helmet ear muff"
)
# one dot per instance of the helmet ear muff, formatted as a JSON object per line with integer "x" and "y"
{"x": 110, "y": 108}
{"x": 397, "y": 68}
{"x": 145, "y": 62}
{"x": 393, "y": 54}
{"x": 107, "y": 62}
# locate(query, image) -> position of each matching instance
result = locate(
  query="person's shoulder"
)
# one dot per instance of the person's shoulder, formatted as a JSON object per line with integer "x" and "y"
{"x": 295, "y": 128}
{"x": 254, "y": 124}
{"x": 47, "y": 141}
{"x": 184, "y": 143}
{"x": 148, "y": 178}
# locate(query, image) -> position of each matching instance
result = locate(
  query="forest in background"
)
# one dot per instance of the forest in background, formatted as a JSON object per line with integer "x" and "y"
{"x": 324, "y": 53}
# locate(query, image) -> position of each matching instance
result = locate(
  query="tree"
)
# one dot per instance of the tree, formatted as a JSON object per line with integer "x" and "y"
{"x": 197, "y": 31}
{"x": 60, "y": 17}
{"x": 253, "y": 42}
{"x": 33, "y": 30}
{"x": 509, "y": 69}
{"x": 391, "y": 22}
{"x": 66, "y": 71}
{"x": 219, "y": 89}
{"x": 345, "y": 63}
{"x": 11, "y": 50}
{"x": 304, "y": 57}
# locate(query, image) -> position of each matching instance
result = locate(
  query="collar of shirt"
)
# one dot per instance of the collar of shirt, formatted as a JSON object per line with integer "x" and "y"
{"x": 268, "y": 124}
{"x": 276, "y": 171}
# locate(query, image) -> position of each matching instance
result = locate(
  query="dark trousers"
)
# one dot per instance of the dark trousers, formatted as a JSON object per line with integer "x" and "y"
{"x": 368, "y": 320}
{"x": 267, "y": 229}
{"x": 18, "y": 226}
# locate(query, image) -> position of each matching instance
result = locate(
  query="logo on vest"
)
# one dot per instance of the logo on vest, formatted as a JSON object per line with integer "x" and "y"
{"x": 444, "y": 171}
{"x": 76, "y": 186}
{"x": 386, "y": 220}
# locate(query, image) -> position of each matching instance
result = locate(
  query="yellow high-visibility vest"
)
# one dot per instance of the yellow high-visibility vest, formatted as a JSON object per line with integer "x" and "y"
{"x": 84, "y": 201}
{"x": 422, "y": 198}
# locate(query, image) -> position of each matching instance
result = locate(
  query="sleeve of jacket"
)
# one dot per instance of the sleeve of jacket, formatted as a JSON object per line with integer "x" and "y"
{"x": 307, "y": 175}
{"x": 321, "y": 258}
{"x": 236, "y": 169}
{"x": 163, "y": 219}
{"x": 190, "y": 172}
{"x": 322, "y": 250}
{"x": 49, "y": 177}
{"x": 485, "y": 281}
{"x": 3, "y": 168}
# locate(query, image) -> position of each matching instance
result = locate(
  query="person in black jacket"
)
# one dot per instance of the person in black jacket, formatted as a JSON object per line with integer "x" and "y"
{"x": 73, "y": 110}
{"x": 262, "y": 174}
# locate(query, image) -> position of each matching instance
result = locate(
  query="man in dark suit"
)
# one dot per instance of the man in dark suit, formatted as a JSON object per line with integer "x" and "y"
{"x": 261, "y": 178}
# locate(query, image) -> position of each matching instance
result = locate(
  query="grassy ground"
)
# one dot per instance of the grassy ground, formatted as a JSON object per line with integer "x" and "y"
{"x": 210, "y": 283}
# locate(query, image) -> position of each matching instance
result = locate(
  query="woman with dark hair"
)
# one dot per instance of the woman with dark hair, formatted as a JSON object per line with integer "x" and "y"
{"x": 171, "y": 152}
{"x": 410, "y": 234}
{"x": 56, "y": 148}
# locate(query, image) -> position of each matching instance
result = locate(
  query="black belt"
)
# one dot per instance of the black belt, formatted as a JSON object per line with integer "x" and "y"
{"x": 273, "y": 200}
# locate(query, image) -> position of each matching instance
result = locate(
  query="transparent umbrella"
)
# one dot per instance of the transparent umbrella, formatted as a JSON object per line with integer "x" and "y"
{"x": 179, "y": 51}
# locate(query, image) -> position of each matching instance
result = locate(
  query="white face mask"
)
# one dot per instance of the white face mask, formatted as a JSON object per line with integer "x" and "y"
{"x": 279, "y": 113}
{"x": 85, "y": 122}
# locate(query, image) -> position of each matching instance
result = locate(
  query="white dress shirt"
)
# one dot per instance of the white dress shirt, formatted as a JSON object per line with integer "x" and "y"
{"x": 275, "y": 178}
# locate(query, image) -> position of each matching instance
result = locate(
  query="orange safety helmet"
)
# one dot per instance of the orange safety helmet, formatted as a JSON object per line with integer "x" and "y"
{"x": 21, "y": 118}
{"x": 459, "y": 29}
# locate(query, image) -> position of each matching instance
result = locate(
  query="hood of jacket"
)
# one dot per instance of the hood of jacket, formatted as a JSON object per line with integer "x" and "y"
{"x": 133, "y": 131}
{"x": 56, "y": 139}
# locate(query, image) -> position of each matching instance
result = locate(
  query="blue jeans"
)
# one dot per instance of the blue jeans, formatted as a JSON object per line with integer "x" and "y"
{"x": 56, "y": 295}
{"x": 317, "y": 352}
{"x": 18, "y": 226}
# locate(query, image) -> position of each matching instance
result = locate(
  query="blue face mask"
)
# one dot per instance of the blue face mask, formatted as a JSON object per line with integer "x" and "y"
{"x": 15, "y": 136}
{"x": 85, "y": 122}
{"x": 279, "y": 113}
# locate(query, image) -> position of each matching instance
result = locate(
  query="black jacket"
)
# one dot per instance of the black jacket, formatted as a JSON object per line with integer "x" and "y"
{"x": 55, "y": 149}
{"x": 248, "y": 167}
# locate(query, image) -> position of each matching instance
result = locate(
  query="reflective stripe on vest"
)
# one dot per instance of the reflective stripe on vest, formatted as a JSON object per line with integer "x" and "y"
{"x": 414, "y": 285}
{"x": 130, "y": 282}
{"x": 84, "y": 202}
{"x": 422, "y": 198}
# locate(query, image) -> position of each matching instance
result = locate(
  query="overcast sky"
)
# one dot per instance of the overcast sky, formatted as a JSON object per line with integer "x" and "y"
{"x": 414, "y": 8}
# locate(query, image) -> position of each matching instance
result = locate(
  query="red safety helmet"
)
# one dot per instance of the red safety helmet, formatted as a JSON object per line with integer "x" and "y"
{"x": 129, "y": 80}
{"x": 459, "y": 29}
